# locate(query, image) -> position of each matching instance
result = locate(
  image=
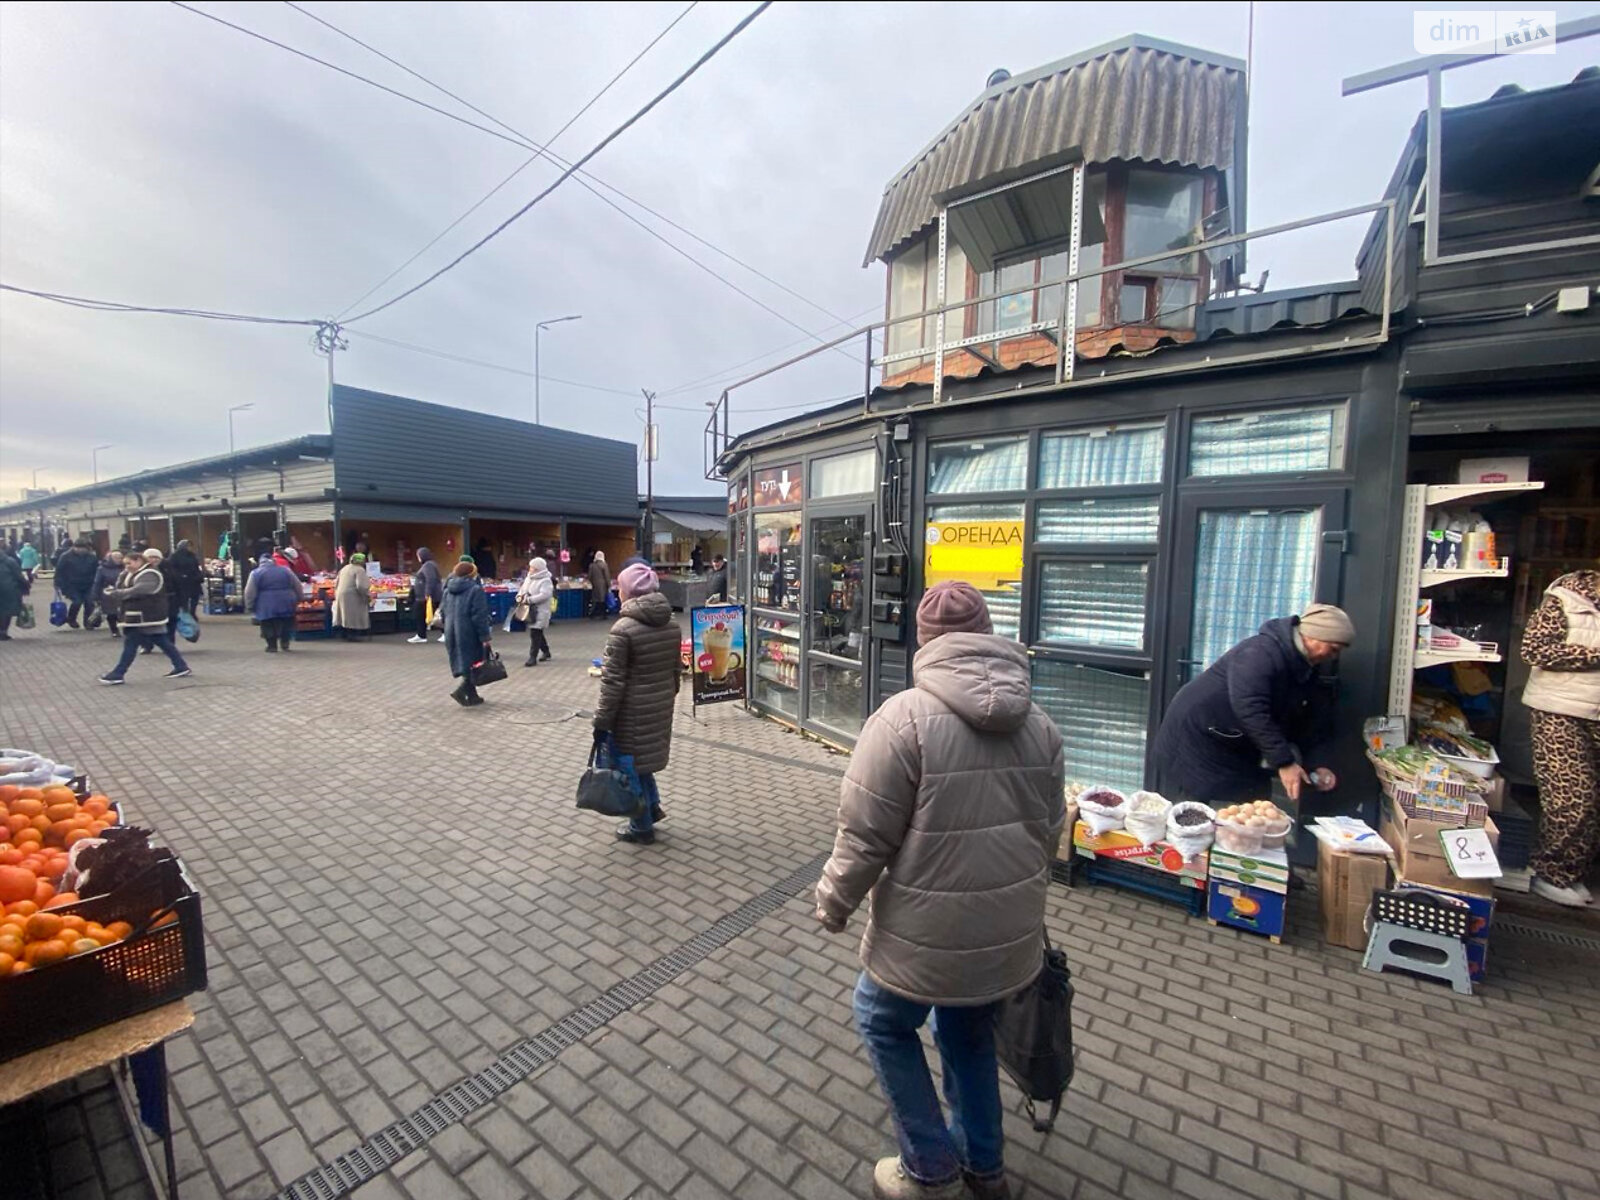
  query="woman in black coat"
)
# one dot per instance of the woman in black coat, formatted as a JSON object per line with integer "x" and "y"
{"x": 1259, "y": 710}
{"x": 466, "y": 629}
{"x": 186, "y": 575}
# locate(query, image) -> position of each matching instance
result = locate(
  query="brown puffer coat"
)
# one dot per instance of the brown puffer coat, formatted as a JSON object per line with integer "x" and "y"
{"x": 951, "y": 814}
{"x": 639, "y": 681}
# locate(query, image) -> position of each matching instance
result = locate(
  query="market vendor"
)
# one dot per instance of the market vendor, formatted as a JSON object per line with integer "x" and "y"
{"x": 1261, "y": 709}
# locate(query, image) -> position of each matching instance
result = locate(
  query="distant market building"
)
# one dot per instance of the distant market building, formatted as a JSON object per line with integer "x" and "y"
{"x": 397, "y": 474}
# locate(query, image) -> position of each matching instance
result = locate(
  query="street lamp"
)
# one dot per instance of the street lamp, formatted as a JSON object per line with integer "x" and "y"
{"x": 95, "y": 459}
{"x": 231, "y": 411}
{"x": 537, "y": 329}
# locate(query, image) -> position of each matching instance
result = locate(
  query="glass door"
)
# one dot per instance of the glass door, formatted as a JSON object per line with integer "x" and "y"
{"x": 776, "y": 613}
{"x": 1243, "y": 561}
{"x": 838, "y": 623}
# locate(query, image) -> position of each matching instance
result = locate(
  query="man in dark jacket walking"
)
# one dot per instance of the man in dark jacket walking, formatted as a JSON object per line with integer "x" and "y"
{"x": 140, "y": 597}
{"x": 639, "y": 689}
{"x": 1259, "y": 710}
{"x": 75, "y": 572}
{"x": 271, "y": 596}
{"x": 426, "y": 585}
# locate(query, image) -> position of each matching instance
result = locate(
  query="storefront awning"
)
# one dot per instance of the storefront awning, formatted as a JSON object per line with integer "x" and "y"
{"x": 694, "y": 522}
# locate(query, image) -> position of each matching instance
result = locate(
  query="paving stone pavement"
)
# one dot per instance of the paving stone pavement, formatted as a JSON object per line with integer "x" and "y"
{"x": 397, "y": 890}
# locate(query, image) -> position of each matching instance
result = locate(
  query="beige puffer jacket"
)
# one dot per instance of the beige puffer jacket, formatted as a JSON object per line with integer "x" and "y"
{"x": 951, "y": 814}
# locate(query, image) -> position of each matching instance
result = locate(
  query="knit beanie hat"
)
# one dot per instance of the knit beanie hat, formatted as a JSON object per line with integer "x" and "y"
{"x": 1327, "y": 624}
{"x": 952, "y": 607}
{"x": 151, "y": 554}
{"x": 637, "y": 580}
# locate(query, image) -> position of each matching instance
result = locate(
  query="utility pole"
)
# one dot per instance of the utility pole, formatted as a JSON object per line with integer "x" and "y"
{"x": 650, "y": 450}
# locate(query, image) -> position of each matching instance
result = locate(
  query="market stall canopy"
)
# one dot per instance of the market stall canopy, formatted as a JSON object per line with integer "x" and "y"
{"x": 1137, "y": 98}
{"x": 693, "y": 522}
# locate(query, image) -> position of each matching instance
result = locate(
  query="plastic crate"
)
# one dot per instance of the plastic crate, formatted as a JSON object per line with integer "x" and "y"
{"x": 52, "y": 1004}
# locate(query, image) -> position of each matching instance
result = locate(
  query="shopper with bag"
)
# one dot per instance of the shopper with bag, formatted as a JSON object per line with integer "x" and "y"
{"x": 352, "y": 598}
{"x": 639, "y": 690}
{"x": 533, "y": 607}
{"x": 271, "y": 595}
{"x": 75, "y": 572}
{"x": 105, "y": 577}
{"x": 140, "y": 597}
{"x": 949, "y": 817}
{"x": 466, "y": 629}
{"x": 13, "y": 586}
{"x": 187, "y": 577}
{"x": 427, "y": 595}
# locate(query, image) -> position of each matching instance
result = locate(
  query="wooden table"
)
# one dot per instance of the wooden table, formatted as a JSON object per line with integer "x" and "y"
{"x": 103, "y": 1047}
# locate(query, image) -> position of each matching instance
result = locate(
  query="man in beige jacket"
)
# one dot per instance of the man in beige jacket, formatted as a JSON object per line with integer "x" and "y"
{"x": 950, "y": 816}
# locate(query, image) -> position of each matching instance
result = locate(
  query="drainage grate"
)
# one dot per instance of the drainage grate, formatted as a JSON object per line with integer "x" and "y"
{"x": 392, "y": 1143}
{"x": 1548, "y": 933}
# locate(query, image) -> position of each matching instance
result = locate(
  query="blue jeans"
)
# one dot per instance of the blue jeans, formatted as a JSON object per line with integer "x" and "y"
{"x": 133, "y": 640}
{"x": 645, "y": 822}
{"x": 932, "y": 1152}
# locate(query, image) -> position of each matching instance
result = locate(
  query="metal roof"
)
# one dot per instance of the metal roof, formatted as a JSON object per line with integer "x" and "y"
{"x": 693, "y": 521}
{"x": 315, "y": 445}
{"x": 1135, "y": 98}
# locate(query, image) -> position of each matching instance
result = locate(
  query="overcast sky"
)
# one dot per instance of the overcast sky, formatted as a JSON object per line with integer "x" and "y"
{"x": 151, "y": 156}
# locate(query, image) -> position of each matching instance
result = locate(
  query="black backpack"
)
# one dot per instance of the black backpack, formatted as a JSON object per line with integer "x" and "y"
{"x": 1033, "y": 1037}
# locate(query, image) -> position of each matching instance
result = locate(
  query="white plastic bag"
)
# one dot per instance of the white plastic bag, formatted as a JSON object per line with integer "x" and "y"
{"x": 1190, "y": 840}
{"x": 1102, "y": 809}
{"x": 1147, "y": 817}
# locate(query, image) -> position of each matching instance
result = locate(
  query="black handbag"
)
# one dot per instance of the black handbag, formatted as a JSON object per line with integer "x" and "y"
{"x": 490, "y": 670}
{"x": 1033, "y": 1037}
{"x": 609, "y": 785}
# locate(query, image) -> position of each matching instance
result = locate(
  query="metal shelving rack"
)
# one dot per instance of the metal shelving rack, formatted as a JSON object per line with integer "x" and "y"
{"x": 1413, "y": 581}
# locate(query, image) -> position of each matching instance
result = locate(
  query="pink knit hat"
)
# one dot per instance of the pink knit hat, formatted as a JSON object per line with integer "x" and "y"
{"x": 952, "y": 607}
{"x": 637, "y": 580}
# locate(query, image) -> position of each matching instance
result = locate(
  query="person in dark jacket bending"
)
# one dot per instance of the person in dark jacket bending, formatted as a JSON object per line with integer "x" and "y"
{"x": 1259, "y": 710}
{"x": 639, "y": 689}
{"x": 75, "y": 572}
{"x": 466, "y": 628}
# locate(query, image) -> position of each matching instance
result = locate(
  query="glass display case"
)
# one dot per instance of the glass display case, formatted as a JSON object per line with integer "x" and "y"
{"x": 835, "y": 699}
{"x": 775, "y": 683}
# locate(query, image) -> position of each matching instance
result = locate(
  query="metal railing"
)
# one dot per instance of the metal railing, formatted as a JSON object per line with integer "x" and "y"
{"x": 1061, "y": 330}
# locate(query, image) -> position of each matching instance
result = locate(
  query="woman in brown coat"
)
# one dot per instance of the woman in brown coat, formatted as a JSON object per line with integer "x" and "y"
{"x": 639, "y": 689}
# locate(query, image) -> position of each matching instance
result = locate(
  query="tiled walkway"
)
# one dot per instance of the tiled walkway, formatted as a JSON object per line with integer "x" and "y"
{"x": 398, "y": 890}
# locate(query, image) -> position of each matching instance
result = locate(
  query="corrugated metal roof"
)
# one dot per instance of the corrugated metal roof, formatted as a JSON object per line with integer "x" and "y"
{"x": 1289, "y": 308}
{"x": 1137, "y": 98}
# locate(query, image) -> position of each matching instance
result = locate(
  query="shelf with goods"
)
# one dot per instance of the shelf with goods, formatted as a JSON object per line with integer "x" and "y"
{"x": 777, "y": 660}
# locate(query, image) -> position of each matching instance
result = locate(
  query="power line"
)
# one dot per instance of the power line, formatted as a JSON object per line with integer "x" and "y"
{"x": 541, "y": 151}
{"x": 694, "y": 67}
{"x": 117, "y": 306}
{"x": 322, "y": 62}
{"x": 479, "y": 362}
{"x": 705, "y": 379}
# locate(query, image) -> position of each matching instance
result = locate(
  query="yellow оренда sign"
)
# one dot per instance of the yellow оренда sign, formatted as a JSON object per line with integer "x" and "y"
{"x": 986, "y": 554}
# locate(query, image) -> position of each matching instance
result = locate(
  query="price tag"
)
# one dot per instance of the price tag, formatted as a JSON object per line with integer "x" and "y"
{"x": 1469, "y": 853}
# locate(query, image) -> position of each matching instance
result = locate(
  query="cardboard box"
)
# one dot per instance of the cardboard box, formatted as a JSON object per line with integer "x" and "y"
{"x": 1419, "y": 853}
{"x": 1124, "y": 847}
{"x": 1245, "y": 907}
{"x": 1265, "y": 869}
{"x": 1345, "y": 883}
{"x": 1513, "y": 469}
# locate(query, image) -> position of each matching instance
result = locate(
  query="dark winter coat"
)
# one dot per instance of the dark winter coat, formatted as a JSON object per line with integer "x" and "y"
{"x": 717, "y": 583}
{"x": 184, "y": 567}
{"x": 105, "y": 576}
{"x": 639, "y": 681}
{"x": 12, "y": 585}
{"x": 272, "y": 592}
{"x": 466, "y": 623}
{"x": 426, "y": 584}
{"x": 75, "y": 572}
{"x": 1261, "y": 706}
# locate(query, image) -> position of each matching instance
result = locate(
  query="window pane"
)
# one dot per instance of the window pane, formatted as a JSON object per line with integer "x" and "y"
{"x": 1015, "y": 311}
{"x": 1090, "y": 290}
{"x": 980, "y": 544}
{"x": 838, "y": 608}
{"x": 906, "y": 277}
{"x": 834, "y": 698}
{"x": 1093, "y": 604}
{"x": 1134, "y": 519}
{"x": 843, "y": 474}
{"x": 1265, "y": 443}
{"x": 988, "y": 466}
{"x": 1133, "y": 303}
{"x": 1250, "y": 566}
{"x": 1103, "y": 716}
{"x": 1052, "y": 268}
{"x": 777, "y": 581}
{"x": 1163, "y": 213}
{"x": 955, "y": 289}
{"x": 1103, "y": 457}
{"x": 1178, "y": 300}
